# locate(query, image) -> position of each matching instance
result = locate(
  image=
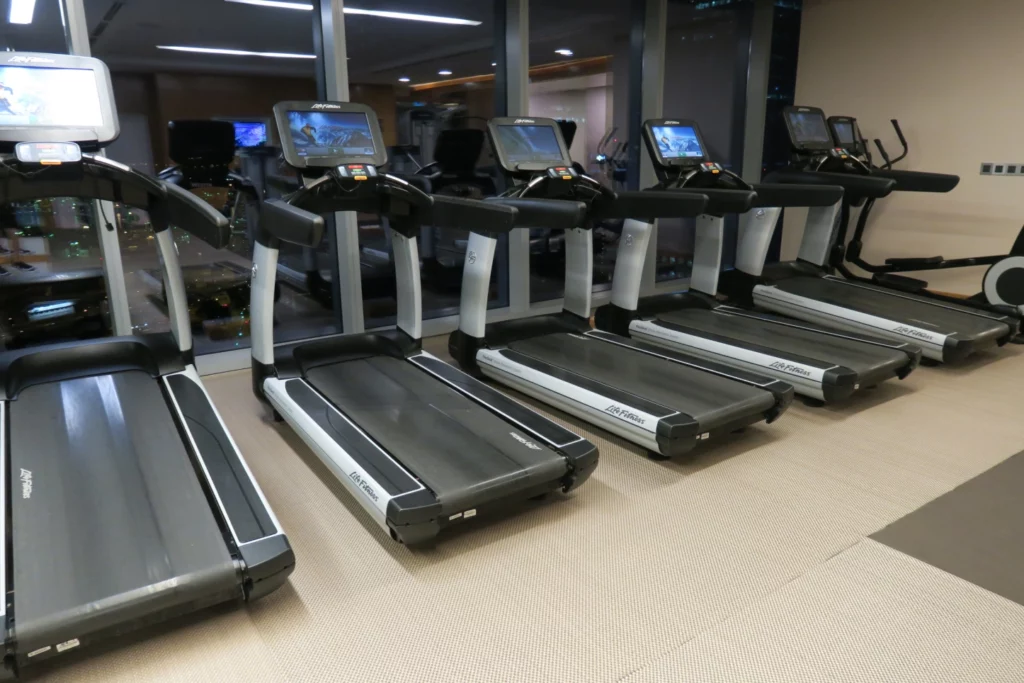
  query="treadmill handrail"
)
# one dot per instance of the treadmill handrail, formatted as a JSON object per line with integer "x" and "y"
{"x": 488, "y": 218}
{"x": 722, "y": 201}
{"x": 286, "y": 222}
{"x": 100, "y": 178}
{"x": 648, "y": 205}
{"x": 190, "y": 213}
{"x": 783, "y": 195}
{"x": 555, "y": 214}
{"x": 918, "y": 181}
{"x": 857, "y": 185}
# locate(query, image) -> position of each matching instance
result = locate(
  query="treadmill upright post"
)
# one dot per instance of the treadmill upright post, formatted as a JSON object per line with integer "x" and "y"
{"x": 476, "y": 281}
{"x": 174, "y": 282}
{"x": 627, "y": 278}
{"x": 579, "y": 271}
{"x": 707, "y": 254}
{"x": 819, "y": 234}
{"x": 755, "y": 237}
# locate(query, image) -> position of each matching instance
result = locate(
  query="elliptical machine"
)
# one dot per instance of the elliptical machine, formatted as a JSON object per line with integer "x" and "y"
{"x": 1002, "y": 288}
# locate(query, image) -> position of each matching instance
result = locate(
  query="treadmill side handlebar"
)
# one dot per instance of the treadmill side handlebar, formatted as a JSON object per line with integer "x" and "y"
{"x": 647, "y": 205}
{"x": 486, "y": 218}
{"x": 190, "y": 213}
{"x": 556, "y": 214}
{"x": 855, "y": 185}
{"x": 797, "y": 195}
{"x": 721, "y": 201}
{"x": 919, "y": 181}
{"x": 291, "y": 224}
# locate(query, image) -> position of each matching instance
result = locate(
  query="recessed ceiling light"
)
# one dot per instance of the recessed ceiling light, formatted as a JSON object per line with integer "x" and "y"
{"x": 494, "y": 64}
{"x": 430, "y": 18}
{"x": 385, "y": 14}
{"x": 403, "y": 79}
{"x": 280, "y": 4}
{"x": 565, "y": 52}
{"x": 444, "y": 72}
{"x": 21, "y": 11}
{"x": 234, "y": 53}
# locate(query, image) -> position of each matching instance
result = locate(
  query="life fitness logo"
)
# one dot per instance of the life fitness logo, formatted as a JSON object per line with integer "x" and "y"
{"x": 524, "y": 121}
{"x": 326, "y": 106}
{"x": 29, "y": 60}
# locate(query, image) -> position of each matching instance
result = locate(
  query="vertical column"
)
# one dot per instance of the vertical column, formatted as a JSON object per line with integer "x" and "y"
{"x": 332, "y": 84}
{"x": 76, "y": 32}
{"x": 515, "y": 58}
{"x": 651, "y": 79}
{"x": 758, "y": 64}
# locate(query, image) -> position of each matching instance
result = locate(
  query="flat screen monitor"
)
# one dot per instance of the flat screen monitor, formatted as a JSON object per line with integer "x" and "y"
{"x": 330, "y": 134}
{"x": 525, "y": 144}
{"x": 250, "y": 134}
{"x": 48, "y": 97}
{"x": 809, "y": 128}
{"x": 678, "y": 142}
{"x": 844, "y": 133}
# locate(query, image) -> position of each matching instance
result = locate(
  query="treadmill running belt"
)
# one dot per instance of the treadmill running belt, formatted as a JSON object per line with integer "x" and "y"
{"x": 793, "y": 343}
{"x": 895, "y": 307}
{"x": 460, "y": 450}
{"x": 710, "y": 399}
{"x": 110, "y": 522}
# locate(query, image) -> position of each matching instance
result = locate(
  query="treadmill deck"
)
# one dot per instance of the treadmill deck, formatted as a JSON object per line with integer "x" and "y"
{"x": 110, "y": 523}
{"x": 466, "y": 455}
{"x": 871, "y": 363}
{"x": 627, "y": 375}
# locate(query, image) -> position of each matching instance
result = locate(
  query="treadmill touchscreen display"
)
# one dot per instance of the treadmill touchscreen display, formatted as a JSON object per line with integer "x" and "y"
{"x": 49, "y": 97}
{"x": 330, "y": 134}
{"x": 529, "y": 144}
{"x": 844, "y": 134}
{"x": 809, "y": 127}
{"x": 678, "y": 142}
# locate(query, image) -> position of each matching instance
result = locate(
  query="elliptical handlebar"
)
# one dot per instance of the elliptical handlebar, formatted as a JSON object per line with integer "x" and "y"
{"x": 885, "y": 155}
{"x": 903, "y": 142}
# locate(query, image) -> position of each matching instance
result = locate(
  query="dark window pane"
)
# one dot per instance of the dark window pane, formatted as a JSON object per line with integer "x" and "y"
{"x": 579, "y": 73}
{"x": 433, "y": 91}
{"x": 155, "y": 86}
{"x": 701, "y": 79}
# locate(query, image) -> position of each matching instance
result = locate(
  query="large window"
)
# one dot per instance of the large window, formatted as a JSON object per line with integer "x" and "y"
{"x": 703, "y": 69}
{"x": 169, "y": 70}
{"x": 433, "y": 90}
{"x": 579, "y": 74}
{"x": 51, "y": 267}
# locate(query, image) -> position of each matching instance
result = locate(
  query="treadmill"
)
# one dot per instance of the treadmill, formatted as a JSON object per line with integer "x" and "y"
{"x": 1001, "y": 286}
{"x": 821, "y": 364}
{"x": 663, "y": 400}
{"x": 125, "y": 501}
{"x": 806, "y": 290}
{"x": 420, "y": 445}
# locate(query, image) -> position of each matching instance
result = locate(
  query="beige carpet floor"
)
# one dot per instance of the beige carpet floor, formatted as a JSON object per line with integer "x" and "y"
{"x": 747, "y": 563}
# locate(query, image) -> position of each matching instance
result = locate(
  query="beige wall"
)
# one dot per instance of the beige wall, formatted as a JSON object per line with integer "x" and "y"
{"x": 949, "y": 70}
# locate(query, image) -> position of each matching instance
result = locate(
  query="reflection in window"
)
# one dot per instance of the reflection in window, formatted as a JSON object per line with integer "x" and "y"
{"x": 51, "y": 273}
{"x": 154, "y": 87}
{"x": 700, "y": 82}
{"x": 433, "y": 98}
{"x": 579, "y": 75}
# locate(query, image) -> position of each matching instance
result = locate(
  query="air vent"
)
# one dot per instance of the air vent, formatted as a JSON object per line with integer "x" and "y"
{"x": 1002, "y": 168}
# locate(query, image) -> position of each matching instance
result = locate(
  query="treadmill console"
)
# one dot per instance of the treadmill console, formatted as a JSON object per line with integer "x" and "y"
{"x": 331, "y": 135}
{"x": 674, "y": 145}
{"x": 529, "y": 146}
{"x": 808, "y": 130}
{"x": 846, "y": 134}
{"x": 563, "y": 173}
{"x": 47, "y": 98}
